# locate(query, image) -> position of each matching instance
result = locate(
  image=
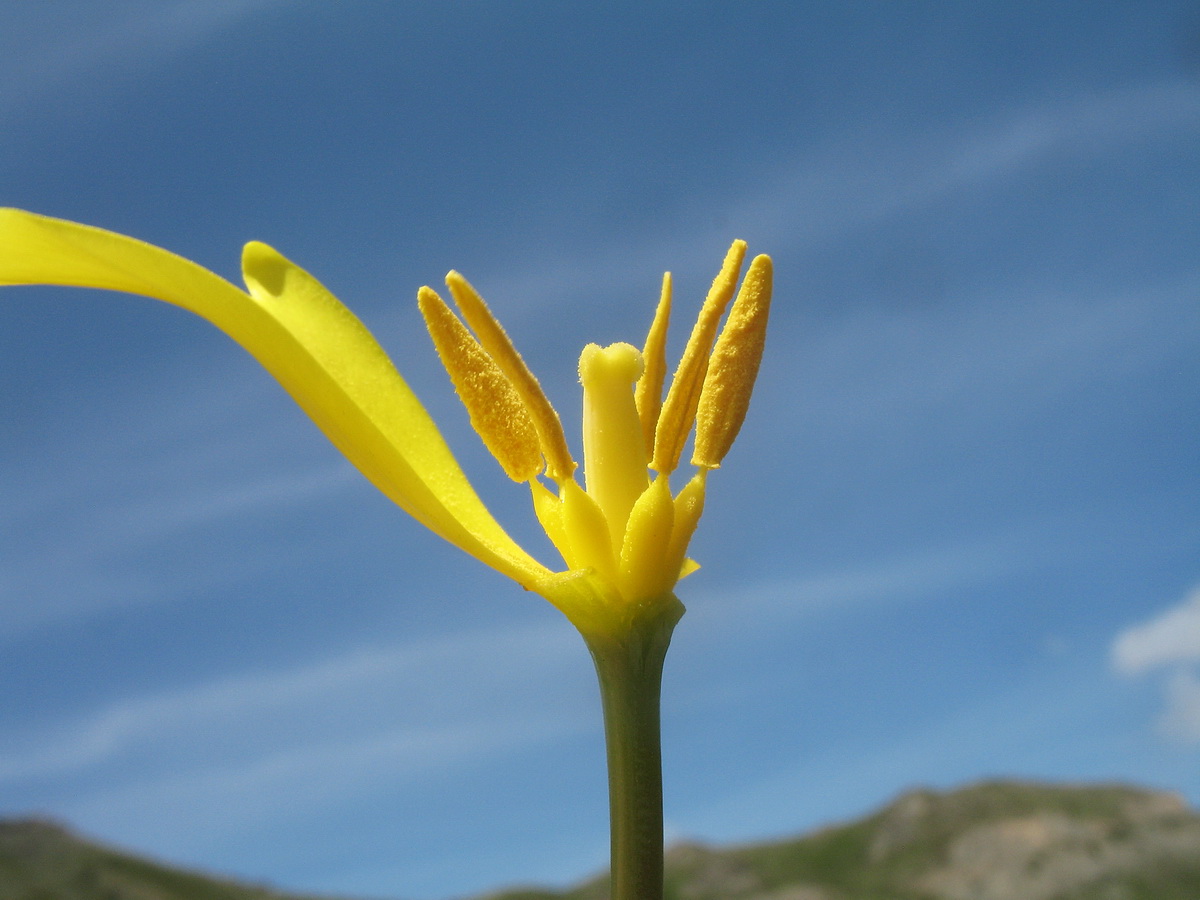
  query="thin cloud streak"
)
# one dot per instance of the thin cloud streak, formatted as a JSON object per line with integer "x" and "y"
{"x": 218, "y": 800}
{"x": 53, "y": 577}
{"x": 895, "y": 580}
{"x": 818, "y": 201}
{"x": 318, "y": 695}
{"x": 111, "y": 51}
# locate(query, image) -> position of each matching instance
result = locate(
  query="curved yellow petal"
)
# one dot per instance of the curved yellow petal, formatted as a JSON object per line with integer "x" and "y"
{"x": 312, "y": 344}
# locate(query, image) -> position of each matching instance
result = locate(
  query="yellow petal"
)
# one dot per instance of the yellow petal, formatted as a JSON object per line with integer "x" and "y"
{"x": 644, "y": 572}
{"x": 679, "y": 409}
{"x": 733, "y": 367}
{"x": 549, "y": 511}
{"x": 689, "y": 506}
{"x": 587, "y": 533}
{"x": 316, "y": 348}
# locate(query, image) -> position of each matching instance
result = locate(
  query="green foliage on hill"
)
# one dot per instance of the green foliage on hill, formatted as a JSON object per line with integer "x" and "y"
{"x": 42, "y": 861}
{"x": 992, "y": 841}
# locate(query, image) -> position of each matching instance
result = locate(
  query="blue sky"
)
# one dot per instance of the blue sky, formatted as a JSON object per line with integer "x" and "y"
{"x": 958, "y": 538}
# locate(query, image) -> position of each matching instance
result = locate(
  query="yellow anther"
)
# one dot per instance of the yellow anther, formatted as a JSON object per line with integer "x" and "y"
{"x": 614, "y": 457}
{"x": 648, "y": 392}
{"x": 679, "y": 410}
{"x": 496, "y": 342}
{"x": 733, "y": 367}
{"x": 496, "y": 412}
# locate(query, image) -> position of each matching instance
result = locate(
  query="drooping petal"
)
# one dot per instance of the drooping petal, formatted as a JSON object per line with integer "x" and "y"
{"x": 312, "y": 344}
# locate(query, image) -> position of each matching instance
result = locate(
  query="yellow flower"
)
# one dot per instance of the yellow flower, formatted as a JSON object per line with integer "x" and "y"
{"x": 623, "y": 535}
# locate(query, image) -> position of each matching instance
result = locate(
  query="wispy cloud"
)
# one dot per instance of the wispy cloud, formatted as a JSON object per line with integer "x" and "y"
{"x": 95, "y": 563}
{"x": 90, "y": 49}
{"x": 88, "y": 503}
{"x": 873, "y": 178}
{"x": 823, "y": 195}
{"x": 1171, "y": 641}
{"x": 1181, "y": 719}
{"x": 226, "y": 798}
{"x": 1171, "y": 637}
{"x": 303, "y": 706}
{"x": 895, "y": 579}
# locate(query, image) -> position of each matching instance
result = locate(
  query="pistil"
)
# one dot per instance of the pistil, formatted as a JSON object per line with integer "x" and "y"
{"x": 614, "y": 453}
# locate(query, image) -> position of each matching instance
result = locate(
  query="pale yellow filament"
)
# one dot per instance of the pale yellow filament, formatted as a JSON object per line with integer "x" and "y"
{"x": 648, "y": 393}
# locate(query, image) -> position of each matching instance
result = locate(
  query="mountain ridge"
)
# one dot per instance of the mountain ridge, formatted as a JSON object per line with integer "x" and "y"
{"x": 993, "y": 840}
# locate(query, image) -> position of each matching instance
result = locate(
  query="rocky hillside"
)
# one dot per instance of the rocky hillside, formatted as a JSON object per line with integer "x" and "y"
{"x": 992, "y": 841}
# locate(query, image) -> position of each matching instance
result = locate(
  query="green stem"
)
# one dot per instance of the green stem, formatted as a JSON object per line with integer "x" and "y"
{"x": 629, "y": 666}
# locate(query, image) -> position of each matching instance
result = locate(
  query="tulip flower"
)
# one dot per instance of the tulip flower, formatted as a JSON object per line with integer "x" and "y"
{"x": 623, "y": 533}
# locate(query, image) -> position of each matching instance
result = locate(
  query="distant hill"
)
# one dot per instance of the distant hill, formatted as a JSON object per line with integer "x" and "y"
{"x": 1001, "y": 840}
{"x": 43, "y": 861}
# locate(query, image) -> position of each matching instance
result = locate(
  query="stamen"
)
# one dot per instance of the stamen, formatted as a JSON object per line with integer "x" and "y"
{"x": 614, "y": 458}
{"x": 648, "y": 393}
{"x": 679, "y": 410}
{"x": 497, "y": 413}
{"x": 733, "y": 367}
{"x": 496, "y": 342}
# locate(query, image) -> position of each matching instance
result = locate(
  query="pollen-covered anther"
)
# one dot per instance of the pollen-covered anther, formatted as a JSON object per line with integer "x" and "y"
{"x": 733, "y": 368}
{"x": 497, "y": 413}
{"x": 679, "y": 409}
{"x": 494, "y": 339}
